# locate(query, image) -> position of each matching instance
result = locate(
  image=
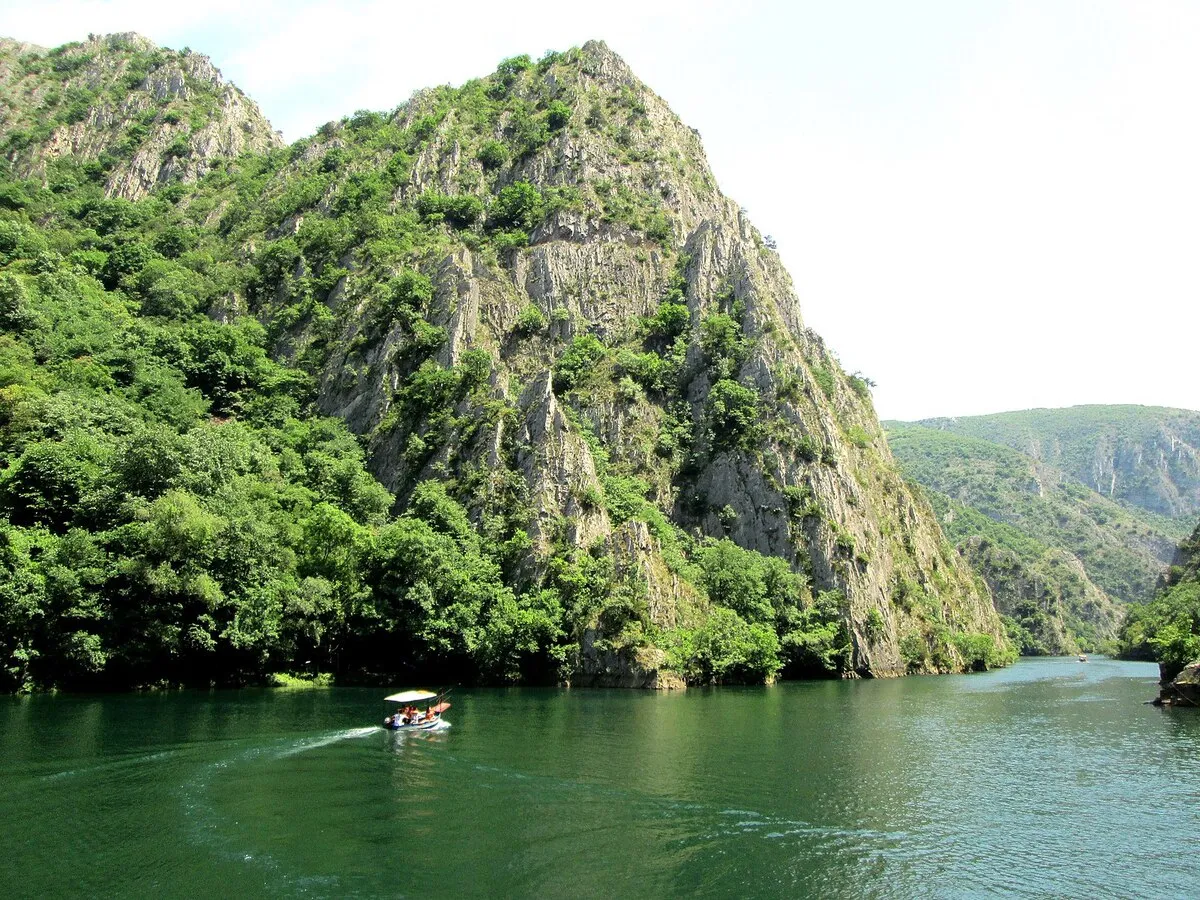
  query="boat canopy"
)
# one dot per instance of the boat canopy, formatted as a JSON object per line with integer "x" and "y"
{"x": 410, "y": 697}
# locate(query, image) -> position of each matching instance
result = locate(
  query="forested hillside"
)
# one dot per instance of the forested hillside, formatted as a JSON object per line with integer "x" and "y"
{"x": 494, "y": 386}
{"x": 1061, "y": 559}
{"x": 1146, "y": 456}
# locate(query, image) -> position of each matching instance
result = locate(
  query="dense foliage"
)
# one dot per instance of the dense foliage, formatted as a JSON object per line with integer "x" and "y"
{"x": 176, "y": 510}
{"x": 1167, "y": 629}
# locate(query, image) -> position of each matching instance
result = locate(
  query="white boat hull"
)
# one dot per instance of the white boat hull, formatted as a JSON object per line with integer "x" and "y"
{"x": 435, "y": 725}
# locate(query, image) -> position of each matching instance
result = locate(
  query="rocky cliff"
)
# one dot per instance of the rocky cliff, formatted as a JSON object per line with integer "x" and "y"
{"x": 643, "y": 331}
{"x": 564, "y": 350}
{"x": 143, "y": 115}
{"x": 1146, "y": 456}
{"x": 1061, "y": 559}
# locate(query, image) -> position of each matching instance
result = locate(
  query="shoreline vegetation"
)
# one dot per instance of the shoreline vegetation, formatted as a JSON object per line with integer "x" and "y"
{"x": 418, "y": 395}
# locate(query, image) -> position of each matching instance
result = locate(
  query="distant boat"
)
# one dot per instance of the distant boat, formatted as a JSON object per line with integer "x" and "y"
{"x": 430, "y": 720}
{"x": 1083, "y": 657}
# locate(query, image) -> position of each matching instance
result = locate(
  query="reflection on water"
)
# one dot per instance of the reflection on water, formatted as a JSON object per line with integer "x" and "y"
{"x": 1049, "y": 778}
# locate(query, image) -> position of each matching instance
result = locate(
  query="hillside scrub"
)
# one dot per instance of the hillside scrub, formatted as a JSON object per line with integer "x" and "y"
{"x": 408, "y": 396}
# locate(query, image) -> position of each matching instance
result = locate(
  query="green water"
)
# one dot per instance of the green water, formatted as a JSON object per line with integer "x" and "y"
{"x": 1049, "y": 778}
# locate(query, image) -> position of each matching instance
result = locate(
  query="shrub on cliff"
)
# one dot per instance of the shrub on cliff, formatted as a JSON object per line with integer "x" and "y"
{"x": 517, "y": 206}
{"x": 576, "y": 361}
{"x": 732, "y": 415}
{"x": 492, "y": 154}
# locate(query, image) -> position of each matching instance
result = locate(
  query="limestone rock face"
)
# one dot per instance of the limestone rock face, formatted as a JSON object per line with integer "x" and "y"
{"x": 559, "y": 469}
{"x": 603, "y": 666}
{"x": 815, "y": 483}
{"x": 149, "y": 116}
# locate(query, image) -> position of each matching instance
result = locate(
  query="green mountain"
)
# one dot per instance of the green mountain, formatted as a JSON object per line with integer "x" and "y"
{"x": 133, "y": 114}
{"x": 1052, "y": 606}
{"x": 1060, "y": 558}
{"x": 1145, "y": 456}
{"x": 497, "y": 386}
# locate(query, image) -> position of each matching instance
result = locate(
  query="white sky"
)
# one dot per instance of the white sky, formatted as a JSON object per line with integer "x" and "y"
{"x": 984, "y": 205}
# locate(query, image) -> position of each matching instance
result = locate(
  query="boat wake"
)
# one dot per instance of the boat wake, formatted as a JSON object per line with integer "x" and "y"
{"x": 699, "y": 825}
{"x": 134, "y": 762}
{"x": 306, "y": 744}
{"x": 214, "y": 828}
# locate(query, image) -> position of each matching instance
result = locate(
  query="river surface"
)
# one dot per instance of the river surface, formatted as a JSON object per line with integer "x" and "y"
{"x": 1048, "y": 778}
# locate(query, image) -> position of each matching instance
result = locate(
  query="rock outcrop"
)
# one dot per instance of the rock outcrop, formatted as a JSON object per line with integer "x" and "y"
{"x": 639, "y": 220}
{"x": 602, "y": 665}
{"x": 1183, "y": 689}
{"x": 142, "y": 115}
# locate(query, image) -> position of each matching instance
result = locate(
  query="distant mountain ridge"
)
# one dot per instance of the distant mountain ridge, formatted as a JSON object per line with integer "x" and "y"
{"x": 1147, "y": 456}
{"x": 1061, "y": 559}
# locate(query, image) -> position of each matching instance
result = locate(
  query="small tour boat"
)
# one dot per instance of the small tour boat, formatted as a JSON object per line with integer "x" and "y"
{"x": 410, "y": 718}
{"x": 1083, "y": 657}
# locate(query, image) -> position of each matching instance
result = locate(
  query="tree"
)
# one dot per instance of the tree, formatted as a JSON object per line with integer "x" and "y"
{"x": 492, "y": 155}
{"x": 521, "y": 636}
{"x": 458, "y": 210}
{"x": 518, "y": 205}
{"x": 558, "y": 114}
{"x": 430, "y": 596}
{"x": 54, "y": 483}
{"x": 723, "y": 344}
{"x": 732, "y": 411}
{"x": 816, "y": 640}
{"x": 15, "y": 314}
{"x": 733, "y": 578}
{"x": 579, "y": 358}
{"x": 669, "y": 320}
{"x": 726, "y": 649}
{"x": 126, "y": 258}
{"x": 409, "y": 292}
